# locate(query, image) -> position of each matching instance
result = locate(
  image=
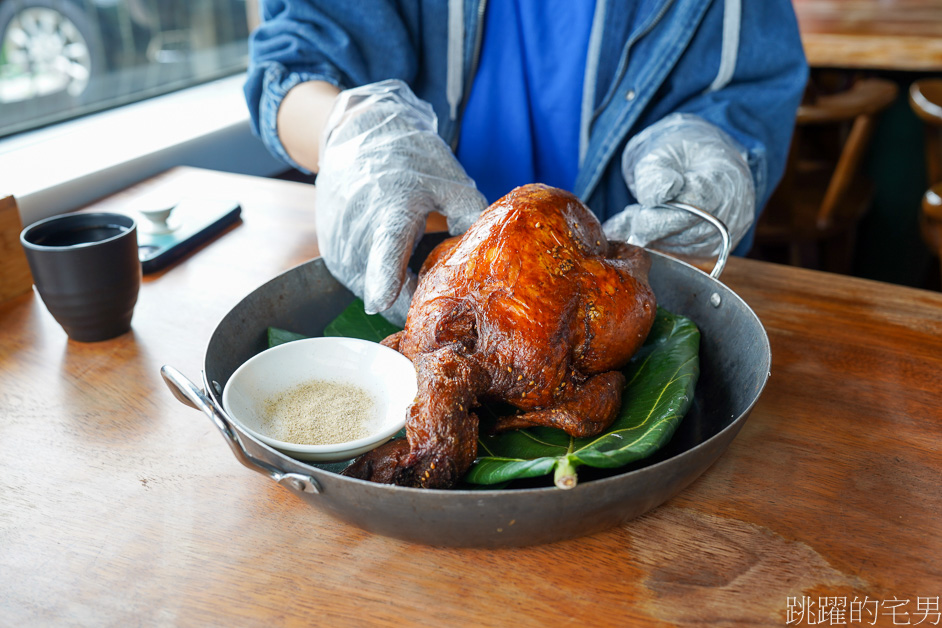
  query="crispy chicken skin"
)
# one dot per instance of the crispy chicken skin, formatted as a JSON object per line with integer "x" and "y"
{"x": 532, "y": 306}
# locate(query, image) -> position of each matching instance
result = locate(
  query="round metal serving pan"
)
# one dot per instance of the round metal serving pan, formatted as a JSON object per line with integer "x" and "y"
{"x": 734, "y": 365}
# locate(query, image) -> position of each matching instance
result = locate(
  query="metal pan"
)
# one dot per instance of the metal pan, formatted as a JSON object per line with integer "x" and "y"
{"x": 734, "y": 363}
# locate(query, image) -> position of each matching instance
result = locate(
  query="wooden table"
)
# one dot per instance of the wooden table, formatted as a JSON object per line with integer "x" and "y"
{"x": 119, "y": 506}
{"x": 872, "y": 34}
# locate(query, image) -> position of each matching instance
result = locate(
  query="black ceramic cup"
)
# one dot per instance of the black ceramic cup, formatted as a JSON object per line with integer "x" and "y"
{"x": 86, "y": 269}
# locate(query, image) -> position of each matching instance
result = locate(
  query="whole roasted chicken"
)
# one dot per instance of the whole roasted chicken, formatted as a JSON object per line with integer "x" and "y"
{"x": 532, "y": 306}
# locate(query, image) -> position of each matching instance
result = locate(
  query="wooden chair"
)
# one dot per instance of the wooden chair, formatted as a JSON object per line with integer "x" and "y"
{"x": 925, "y": 97}
{"x": 811, "y": 218}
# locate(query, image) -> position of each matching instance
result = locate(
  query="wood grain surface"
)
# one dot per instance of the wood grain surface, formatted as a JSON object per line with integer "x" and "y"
{"x": 872, "y": 34}
{"x": 15, "y": 277}
{"x": 120, "y": 506}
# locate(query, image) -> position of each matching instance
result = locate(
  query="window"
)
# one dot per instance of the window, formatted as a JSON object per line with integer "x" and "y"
{"x": 61, "y": 59}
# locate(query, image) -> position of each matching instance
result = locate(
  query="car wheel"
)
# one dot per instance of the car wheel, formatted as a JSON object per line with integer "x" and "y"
{"x": 47, "y": 47}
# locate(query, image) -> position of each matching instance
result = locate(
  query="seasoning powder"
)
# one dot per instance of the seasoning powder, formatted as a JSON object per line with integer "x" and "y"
{"x": 319, "y": 412}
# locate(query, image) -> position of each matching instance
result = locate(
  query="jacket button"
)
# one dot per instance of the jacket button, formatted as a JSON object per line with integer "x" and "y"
{"x": 630, "y": 95}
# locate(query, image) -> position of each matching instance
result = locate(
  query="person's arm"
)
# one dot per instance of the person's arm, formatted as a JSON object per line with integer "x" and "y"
{"x": 328, "y": 90}
{"x": 301, "y": 48}
{"x": 301, "y": 120}
{"x": 719, "y": 147}
{"x": 383, "y": 171}
{"x": 757, "y": 107}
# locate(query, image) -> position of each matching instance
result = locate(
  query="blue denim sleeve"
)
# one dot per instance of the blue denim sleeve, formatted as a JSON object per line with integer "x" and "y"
{"x": 346, "y": 44}
{"x": 759, "y": 104}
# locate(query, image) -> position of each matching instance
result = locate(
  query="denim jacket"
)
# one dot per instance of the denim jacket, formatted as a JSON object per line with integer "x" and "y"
{"x": 740, "y": 67}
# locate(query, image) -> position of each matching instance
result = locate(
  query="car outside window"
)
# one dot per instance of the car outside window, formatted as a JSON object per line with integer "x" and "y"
{"x": 60, "y": 59}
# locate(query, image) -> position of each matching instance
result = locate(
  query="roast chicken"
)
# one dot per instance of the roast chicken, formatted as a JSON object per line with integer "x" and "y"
{"x": 532, "y": 307}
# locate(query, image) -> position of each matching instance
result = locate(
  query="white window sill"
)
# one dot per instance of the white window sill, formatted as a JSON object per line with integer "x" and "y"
{"x": 61, "y": 168}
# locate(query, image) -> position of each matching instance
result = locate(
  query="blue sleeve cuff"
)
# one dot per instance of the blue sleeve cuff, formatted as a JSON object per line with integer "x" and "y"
{"x": 276, "y": 82}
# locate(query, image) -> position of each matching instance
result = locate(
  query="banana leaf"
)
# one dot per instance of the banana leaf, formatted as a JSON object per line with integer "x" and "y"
{"x": 354, "y": 322}
{"x": 278, "y": 336}
{"x": 661, "y": 378}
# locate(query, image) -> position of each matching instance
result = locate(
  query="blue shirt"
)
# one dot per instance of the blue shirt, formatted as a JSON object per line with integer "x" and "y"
{"x": 527, "y": 95}
{"x": 673, "y": 58}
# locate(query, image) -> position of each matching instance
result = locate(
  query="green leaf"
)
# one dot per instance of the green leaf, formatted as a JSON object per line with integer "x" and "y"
{"x": 661, "y": 378}
{"x": 278, "y": 336}
{"x": 354, "y": 322}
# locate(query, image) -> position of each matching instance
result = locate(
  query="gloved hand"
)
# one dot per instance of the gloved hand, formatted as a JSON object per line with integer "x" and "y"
{"x": 684, "y": 158}
{"x": 383, "y": 168}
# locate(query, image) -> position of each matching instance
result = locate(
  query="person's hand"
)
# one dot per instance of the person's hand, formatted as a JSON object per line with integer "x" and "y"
{"x": 684, "y": 158}
{"x": 383, "y": 169}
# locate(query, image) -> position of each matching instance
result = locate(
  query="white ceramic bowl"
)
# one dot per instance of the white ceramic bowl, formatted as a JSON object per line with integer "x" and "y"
{"x": 386, "y": 374}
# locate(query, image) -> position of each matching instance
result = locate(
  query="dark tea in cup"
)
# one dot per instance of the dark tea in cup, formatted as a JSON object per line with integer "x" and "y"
{"x": 83, "y": 234}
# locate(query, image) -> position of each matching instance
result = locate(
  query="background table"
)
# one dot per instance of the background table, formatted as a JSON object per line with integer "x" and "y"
{"x": 119, "y": 506}
{"x": 872, "y": 34}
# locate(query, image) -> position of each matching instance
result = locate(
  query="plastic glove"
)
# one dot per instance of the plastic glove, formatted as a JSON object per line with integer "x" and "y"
{"x": 383, "y": 168}
{"x": 684, "y": 158}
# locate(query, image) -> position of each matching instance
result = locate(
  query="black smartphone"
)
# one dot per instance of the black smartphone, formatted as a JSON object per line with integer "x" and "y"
{"x": 193, "y": 222}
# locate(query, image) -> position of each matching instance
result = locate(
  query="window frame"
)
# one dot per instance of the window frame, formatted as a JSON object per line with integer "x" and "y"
{"x": 65, "y": 166}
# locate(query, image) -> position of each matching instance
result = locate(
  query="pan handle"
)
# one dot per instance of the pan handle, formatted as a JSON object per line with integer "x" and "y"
{"x": 720, "y": 226}
{"x": 189, "y": 394}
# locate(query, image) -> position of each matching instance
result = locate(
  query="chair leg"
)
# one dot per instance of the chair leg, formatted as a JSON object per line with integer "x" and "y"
{"x": 794, "y": 254}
